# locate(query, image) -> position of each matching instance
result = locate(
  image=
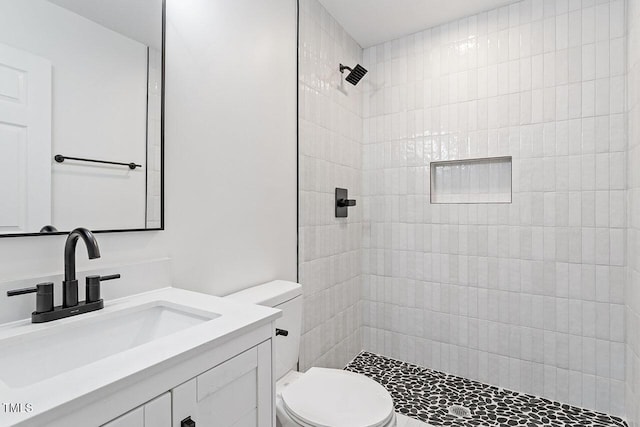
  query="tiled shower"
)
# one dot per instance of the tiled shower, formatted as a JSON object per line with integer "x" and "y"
{"x": 526, "y": 295}
{"x": 539, "y": 295}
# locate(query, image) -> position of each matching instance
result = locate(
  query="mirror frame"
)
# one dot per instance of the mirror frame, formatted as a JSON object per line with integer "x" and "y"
{"x": 162, "y": 120}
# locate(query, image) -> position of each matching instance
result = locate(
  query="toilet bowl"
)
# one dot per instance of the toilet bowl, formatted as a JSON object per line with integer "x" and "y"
{"x": 332, "y": 398}
{"x": 320, "y": 397}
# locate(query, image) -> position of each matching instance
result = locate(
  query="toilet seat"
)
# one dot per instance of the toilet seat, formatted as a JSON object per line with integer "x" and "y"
{"x": 335, "y": 398}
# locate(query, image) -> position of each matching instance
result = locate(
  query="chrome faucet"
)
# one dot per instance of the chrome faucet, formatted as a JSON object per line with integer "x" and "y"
{"x": 70, "y": 283}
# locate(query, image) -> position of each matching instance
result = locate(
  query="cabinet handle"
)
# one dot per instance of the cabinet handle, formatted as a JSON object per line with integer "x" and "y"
{"x": 188, "y": 422}
{"x": 282, "y": 332}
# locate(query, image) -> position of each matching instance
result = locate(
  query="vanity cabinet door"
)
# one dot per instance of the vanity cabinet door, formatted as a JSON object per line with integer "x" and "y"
{"x": 236, "y": 393}
{"x": 156, "y": 413}
{"x": 134, "y": 418}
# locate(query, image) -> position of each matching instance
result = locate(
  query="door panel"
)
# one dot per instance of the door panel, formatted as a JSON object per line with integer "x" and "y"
{"x": 12, "y": 175}
{"x": 25, "y": 141}
{"x": 12, "y": 84}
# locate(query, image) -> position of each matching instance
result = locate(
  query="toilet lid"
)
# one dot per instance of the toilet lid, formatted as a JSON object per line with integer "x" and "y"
{"x": 335, "y": 398}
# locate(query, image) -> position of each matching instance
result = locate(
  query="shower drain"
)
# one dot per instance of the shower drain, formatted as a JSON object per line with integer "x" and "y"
{"x": 459, "y": 411}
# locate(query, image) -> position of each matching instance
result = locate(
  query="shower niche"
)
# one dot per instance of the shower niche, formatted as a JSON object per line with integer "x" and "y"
{"x": 481, "y": 180}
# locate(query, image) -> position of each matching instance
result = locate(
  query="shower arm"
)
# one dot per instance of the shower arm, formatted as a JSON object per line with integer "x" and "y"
{"x": 344, "y": 67}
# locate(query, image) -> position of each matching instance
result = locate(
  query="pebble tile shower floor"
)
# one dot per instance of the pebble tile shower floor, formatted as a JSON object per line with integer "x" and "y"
{"x": 427, "y": 395}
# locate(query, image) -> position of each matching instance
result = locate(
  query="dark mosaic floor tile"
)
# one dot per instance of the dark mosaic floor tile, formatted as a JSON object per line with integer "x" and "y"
{"x": 426, "y": 395}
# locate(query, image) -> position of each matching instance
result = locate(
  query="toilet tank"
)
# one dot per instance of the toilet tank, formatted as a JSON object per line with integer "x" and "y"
{"x": 286, "y": 296}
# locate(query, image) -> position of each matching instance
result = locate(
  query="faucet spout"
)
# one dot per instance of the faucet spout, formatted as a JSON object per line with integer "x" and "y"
{"x": 70, "y": 284}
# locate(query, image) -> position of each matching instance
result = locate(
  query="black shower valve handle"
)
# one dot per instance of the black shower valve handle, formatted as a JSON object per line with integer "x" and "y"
{"x": 343, "y": 202}
{"x": 346, "y": 203}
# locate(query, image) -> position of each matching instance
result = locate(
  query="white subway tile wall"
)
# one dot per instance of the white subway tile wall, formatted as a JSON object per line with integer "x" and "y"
{"x": 632, "y": 294}
{"x": 528, "y": 295}
{"x": 330, "y": 156}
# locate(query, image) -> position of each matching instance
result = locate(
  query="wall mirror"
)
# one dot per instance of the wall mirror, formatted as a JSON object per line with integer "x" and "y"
{"x": 81, "y": 115}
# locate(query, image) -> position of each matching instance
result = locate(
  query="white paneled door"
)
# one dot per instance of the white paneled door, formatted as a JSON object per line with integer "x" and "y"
{"x": 25, "y": 141}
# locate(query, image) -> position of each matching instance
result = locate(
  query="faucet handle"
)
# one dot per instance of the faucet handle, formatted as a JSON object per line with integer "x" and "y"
{"x": 23, "y": 291}
{"x": 92, "y": 289}
{"x": 44, "y": 298}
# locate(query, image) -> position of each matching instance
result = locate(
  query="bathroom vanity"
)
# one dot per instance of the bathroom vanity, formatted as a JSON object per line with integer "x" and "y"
{"x": 168, "y": 357}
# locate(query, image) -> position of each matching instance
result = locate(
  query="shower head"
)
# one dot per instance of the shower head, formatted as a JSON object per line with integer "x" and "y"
{"x": 355, "y": 73}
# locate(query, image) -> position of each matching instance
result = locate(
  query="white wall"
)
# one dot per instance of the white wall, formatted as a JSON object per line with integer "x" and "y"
{"x": 99, "y": 111}
{"x": 330, "y": 156}
{"x": 231, "y": 142}
{"x": 527, "y": 295}
{"x": 230, "y": 156}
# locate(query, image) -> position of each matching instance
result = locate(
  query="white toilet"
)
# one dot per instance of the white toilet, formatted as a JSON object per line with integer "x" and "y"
{"x": 320, "y": 397}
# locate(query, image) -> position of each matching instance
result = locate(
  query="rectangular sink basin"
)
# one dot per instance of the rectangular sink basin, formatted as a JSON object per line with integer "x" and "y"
{"x": 31, "y": 358}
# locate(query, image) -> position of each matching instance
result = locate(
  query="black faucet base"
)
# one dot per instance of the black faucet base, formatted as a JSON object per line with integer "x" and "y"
{"x": 69, "y": 293}
{"x": 61, "y": 312}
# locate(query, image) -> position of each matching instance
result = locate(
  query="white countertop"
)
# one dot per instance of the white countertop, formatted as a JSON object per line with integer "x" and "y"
{"x": 90, "y": 382}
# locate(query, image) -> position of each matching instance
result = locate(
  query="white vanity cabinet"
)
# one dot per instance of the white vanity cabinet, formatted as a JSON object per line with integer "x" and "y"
{"x": 218, "y": 371}
{"x": 156, "y": 413}
{"x": 236, "y": 393}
